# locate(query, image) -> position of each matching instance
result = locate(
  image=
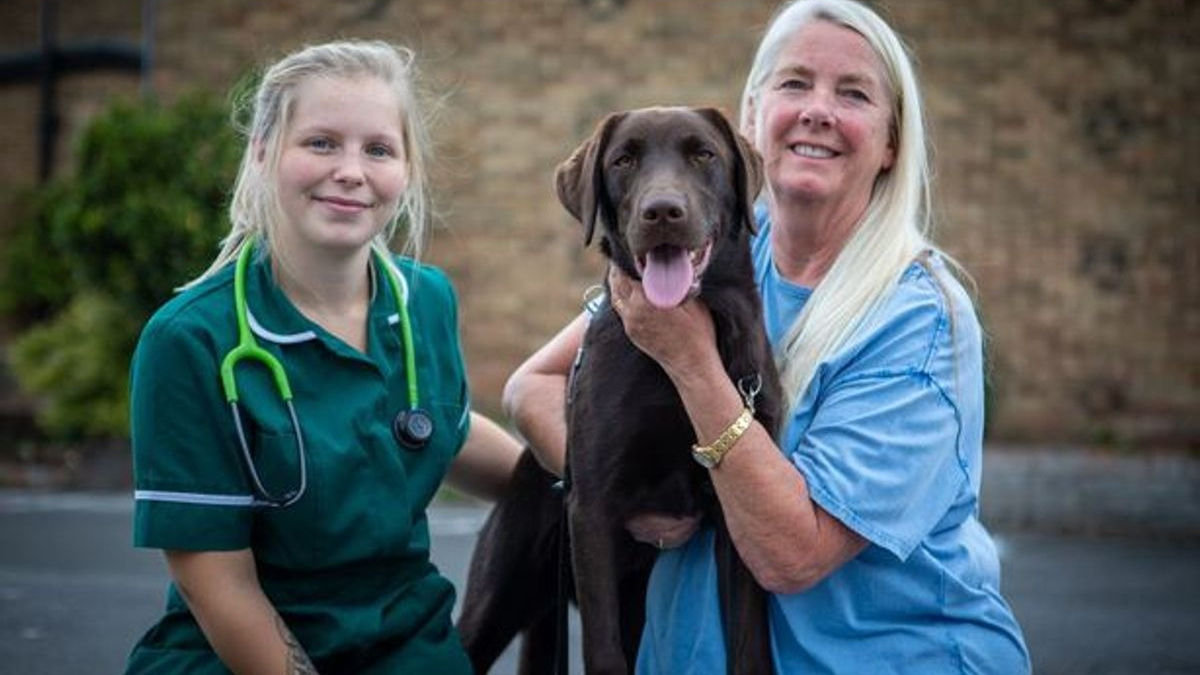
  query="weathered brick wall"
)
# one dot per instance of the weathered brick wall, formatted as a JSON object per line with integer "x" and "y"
{"x": 1063, "y": 135}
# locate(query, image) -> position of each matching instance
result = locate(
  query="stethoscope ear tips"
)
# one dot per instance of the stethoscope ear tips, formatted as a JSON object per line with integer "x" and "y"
{"x": 412, "y": 428}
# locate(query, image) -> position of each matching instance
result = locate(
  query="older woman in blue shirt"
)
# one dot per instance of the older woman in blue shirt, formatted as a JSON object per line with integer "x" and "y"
{"x": 861, "y": 519}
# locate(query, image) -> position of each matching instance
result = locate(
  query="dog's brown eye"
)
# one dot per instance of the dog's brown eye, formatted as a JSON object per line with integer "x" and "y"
{"x": 704, "y": 156}
{"x": 623, "y": 162}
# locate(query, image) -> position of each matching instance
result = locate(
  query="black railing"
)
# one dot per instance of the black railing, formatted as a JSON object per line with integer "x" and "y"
{"x": 51, "y": 61}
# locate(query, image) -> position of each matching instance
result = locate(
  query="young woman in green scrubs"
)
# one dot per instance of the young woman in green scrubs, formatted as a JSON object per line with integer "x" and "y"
{"x": 291, "y": 505}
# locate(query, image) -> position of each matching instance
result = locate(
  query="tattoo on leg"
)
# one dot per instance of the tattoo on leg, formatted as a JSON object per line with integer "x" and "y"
{"x": 298, "y": 661}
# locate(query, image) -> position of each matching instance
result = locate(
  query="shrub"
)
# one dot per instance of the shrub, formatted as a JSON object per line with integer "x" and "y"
{"x": 78, "y": 362}
{"x": 94, "y": 253}
{"x": 33, "y": 279}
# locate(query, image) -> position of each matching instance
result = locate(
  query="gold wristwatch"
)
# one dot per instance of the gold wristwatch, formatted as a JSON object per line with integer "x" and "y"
{"x": 710, "y": 456}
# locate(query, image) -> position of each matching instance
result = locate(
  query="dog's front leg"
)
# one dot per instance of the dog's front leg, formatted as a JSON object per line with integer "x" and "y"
{"x": 594, "y": 556}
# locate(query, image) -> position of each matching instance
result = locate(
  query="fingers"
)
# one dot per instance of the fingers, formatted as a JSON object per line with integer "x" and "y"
{"x": 621, "y": 289}
{"x": 619, "y": 285}
{"x": 615, "y": 275}
{"x": 670, "y": 336}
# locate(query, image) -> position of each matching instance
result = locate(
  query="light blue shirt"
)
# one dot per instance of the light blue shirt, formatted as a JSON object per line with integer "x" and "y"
{"x": 888, "y": 438}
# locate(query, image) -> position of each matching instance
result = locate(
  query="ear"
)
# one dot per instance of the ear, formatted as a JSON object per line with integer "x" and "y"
{"x": 749, "y": 125}
{"x": 747, "y": 165}
{"x": 580, "y": 179}
{"x": 889, "y": 157}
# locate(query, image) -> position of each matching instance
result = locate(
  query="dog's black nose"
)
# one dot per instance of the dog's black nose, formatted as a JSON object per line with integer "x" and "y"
{"x": 664, "y": 210}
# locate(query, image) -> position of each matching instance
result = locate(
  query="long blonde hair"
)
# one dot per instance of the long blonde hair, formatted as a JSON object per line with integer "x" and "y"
{"x": 894, "y": 228}
{"x": 254, "y": 210}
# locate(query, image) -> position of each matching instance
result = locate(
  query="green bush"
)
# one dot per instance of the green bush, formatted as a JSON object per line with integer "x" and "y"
{"x": 79, "y": 363}
{"x": 94, "y": 253}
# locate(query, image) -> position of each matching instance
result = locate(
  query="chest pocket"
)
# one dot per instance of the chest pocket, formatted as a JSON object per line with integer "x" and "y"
{"x": 288, "y": 536}
{"x": 275, "y": 452}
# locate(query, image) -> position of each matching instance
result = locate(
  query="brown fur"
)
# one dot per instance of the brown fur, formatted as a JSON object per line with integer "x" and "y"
{"x": 648, "y": 177}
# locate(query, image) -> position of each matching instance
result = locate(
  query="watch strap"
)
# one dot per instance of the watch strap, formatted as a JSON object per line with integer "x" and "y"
{"x": 710, "y": 456}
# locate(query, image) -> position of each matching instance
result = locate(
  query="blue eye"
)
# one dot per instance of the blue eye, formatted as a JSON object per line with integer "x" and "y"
{"x": 319, "y": 143}
{"x": 380, "y": 150}
{"x": 794, "y": 83}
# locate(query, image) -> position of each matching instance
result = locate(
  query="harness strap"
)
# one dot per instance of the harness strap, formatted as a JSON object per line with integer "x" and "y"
{"x": 562, "y": 602}
{"x": 594, "y": 301}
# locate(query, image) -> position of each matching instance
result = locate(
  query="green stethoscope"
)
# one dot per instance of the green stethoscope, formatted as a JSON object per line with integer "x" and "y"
{"x": 412, "y": 427}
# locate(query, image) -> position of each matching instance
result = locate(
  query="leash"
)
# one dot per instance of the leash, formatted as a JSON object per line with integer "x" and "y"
{"x": 594, "y": 301}
{"x": 749, "y": 387}
{"x": 561, "y": 604}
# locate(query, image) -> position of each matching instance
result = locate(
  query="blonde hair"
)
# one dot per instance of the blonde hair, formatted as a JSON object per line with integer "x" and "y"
{"x": 254, "y": 210}
{"x": 894, "y": 228}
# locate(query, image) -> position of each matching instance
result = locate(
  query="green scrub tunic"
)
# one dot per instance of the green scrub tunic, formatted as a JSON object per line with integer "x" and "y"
{"x": 347, "y": 566}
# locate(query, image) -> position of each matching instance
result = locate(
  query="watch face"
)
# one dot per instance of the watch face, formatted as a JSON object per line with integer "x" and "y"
{"x": 703, "y": 458}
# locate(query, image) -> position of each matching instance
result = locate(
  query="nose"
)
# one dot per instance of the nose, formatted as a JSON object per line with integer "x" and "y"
{"x": 348, "y": 172}
{"x": 817, "y": 114}
{"x": 664, "y": 209}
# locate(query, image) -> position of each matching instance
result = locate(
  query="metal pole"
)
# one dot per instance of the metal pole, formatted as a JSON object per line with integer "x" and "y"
{"x": 149, "y": 8}
{"x": 49, "y": 118}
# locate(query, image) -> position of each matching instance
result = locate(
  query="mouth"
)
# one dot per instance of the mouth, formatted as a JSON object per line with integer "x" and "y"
{"x": 342, "y": 204}
{"x": 812, "y": 151}
{"x": 670, "y": 274}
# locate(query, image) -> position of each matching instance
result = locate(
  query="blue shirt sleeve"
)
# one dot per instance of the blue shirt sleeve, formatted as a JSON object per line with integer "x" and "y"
{"x": 880, "y": 450}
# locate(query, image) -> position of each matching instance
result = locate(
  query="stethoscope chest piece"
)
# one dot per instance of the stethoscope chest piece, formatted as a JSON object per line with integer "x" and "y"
{"x": 412, "y": 428}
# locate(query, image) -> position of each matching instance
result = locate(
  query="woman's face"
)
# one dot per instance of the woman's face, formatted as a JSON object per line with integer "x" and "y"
{"x": 342, "y": 167}
{"x": 826, "y": 113}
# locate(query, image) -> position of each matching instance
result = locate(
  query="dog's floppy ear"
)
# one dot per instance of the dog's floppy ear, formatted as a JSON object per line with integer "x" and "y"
{"x": 580, "y": 179}
{"x": 747, "y": 165}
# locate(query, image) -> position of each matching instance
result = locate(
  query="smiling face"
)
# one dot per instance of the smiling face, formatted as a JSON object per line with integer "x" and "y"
{"x": 342, "y": 164}
{"x": 825, "y": 118}
{"x": 667, "y": 186}
{"x": 668, "y": 172}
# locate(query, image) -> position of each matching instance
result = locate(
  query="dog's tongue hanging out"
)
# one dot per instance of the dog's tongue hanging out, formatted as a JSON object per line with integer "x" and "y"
{"x": 667, "y": 277}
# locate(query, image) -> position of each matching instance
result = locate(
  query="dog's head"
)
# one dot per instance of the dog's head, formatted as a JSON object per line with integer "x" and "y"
{"x": 666, "y": 184}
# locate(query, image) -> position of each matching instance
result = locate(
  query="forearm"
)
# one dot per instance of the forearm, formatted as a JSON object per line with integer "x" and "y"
{"x": 235, "y": 615}
{"x": 538, "y": 412}
{"x": 786, "y": 541}
{"x": 252, "y": 639}
{"x": 485, "y": 463}
{"x": 535, "y": 396}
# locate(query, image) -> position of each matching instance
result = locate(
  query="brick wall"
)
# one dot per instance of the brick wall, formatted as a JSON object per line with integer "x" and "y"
{"x": 1064, "y": 134}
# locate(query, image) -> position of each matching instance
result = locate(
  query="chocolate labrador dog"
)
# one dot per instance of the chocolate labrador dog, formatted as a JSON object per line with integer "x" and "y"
{"x": 672, "y": 191}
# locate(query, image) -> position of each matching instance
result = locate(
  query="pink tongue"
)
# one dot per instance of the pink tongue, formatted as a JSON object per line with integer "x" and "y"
{"x": 667, "y": 277}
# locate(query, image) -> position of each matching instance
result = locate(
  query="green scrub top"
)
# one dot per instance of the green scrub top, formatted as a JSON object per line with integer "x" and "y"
{"x": 347, "y": 566}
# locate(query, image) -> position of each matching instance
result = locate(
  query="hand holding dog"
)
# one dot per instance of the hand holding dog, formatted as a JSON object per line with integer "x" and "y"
{"x": 677, "y": 338}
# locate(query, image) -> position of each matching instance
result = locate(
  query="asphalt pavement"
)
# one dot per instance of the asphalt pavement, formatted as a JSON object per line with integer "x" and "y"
{"x": 75, "y": 595}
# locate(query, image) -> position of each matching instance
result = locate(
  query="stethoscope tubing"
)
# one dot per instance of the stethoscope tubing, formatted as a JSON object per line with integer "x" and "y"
{"x": 248, "y": 348}
{"x": 264, "y": 496}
